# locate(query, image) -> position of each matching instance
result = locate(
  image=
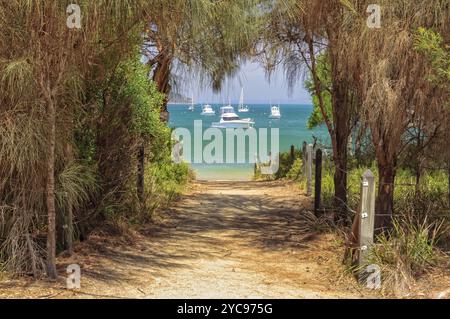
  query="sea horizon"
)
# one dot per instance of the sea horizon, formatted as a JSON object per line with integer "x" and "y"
{"x": 292, "y": 127}
{"x": 237, "y": 103}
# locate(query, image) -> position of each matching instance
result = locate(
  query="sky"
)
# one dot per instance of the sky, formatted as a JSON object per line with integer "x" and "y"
{"x": 257, "y": 89}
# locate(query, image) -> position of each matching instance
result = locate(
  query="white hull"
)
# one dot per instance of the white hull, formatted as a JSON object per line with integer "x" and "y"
{"x": 229, "y": 119}
{"x": 234, "y": 125}
{"x": 208, "y": 111}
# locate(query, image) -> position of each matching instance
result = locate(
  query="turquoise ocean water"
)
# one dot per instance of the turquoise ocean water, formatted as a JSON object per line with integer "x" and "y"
{"x": 292, "y": 127}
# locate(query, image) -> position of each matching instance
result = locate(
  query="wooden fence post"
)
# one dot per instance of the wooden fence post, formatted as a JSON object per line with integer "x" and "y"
{"x": 318, "y": 183}
{"x": 309, "y": 161}
{"x": 304, "y": 158}
{"x": 366, "y": 220}
{"x": 292, "y": 155}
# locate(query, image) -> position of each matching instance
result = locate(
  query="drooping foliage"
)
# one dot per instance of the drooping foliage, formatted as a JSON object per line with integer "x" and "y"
{"x": 75, "y": 105}
{"x": 82, "y": 133}
{"x": 198, "y": 40}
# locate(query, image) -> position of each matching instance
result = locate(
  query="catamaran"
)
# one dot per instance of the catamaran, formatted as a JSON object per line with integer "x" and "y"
{"x": 229, "y": 119}
{"x": 208, "y": 110}
{"x": 242, "y": 108}
{"x": 275, "y": 112}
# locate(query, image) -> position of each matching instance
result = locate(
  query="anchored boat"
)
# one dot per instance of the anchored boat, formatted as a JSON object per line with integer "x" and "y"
{"x": 229, "y": 119}
{"x": 208, "y": 110}
{"x": 242, "y": 108}
{"x": 275, "y": 112}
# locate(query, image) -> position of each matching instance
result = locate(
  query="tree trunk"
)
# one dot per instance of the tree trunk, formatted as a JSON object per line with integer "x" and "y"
{"x": 448, "y": 171}
{"x": 161, "y": 77}
{"x": 340, "y": 186}
{"x": 50, "y": 191}
{"x": 164, "y": 114}
{"x": 340, "y": 189}
{"x": 339, "y": 129}
{"x": 342, "y": 133}
{"x": 385, "y": 199}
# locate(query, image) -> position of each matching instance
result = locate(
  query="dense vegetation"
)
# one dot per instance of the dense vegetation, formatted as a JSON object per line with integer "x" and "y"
{"x": 83, "y": 111}
{"x": 383, "y": 95}
{"x": 83, "y": 133}
{"x": 419, "y": 238}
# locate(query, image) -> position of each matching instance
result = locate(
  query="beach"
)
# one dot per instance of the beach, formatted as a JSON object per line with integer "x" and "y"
{"x": 292, "y": 127}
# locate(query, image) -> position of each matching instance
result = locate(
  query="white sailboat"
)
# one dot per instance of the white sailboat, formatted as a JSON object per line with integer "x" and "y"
{"x": 192, "y": 106}
{"x": 242, "y": 108}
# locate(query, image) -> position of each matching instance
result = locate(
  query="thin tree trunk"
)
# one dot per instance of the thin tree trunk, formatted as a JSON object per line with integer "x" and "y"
{"x": 448, "y": 174}
{"x": 340, "y": 188}
{"x": 164, "y": 114}
{"x": 418, "y": 178}
{"x": 317, "y": 88}
{"x": 339, "y": 131}
{"x": 385, "y": 199}
{"x": 32, "y": 256}
{"x": 161, "y": 76}
{"x": 50, "y": 191}
{"x": 341, "y": 105}
{"x": 342, "y": 133}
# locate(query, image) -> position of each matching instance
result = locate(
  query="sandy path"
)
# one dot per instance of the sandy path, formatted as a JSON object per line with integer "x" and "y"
{"x": 224, "y": 240}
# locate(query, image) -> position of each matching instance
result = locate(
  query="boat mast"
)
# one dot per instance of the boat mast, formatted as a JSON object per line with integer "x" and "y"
{"x": 241, "y": 100}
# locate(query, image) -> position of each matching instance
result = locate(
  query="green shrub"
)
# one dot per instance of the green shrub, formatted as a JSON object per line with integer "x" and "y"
{"x": 296, "y": 171}
{"x": 407, "y": 252}
{"x": 287, "y": 168}
{"x": 164, "y": 183}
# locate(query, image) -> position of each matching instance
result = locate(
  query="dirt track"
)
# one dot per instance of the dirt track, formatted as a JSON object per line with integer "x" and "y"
{"x": 224, "y": 240}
